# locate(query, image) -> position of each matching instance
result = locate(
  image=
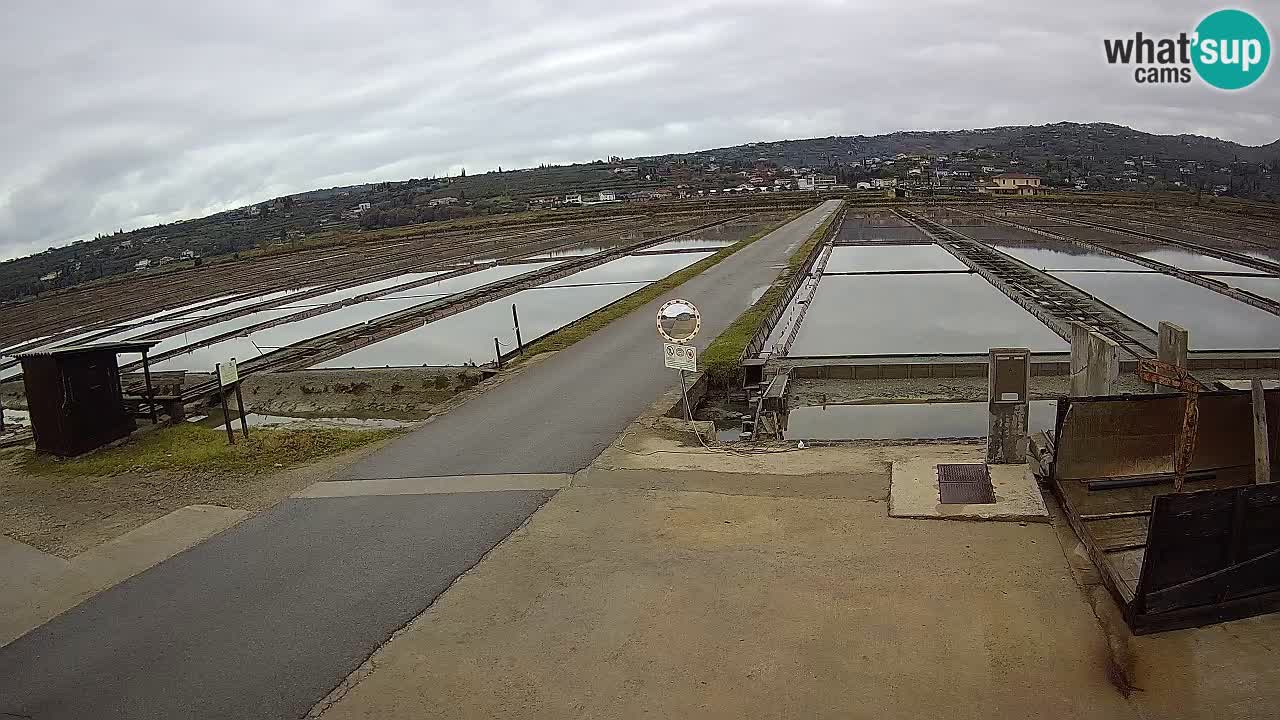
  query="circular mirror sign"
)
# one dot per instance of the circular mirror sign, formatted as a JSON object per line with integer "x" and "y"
{"x": 678, "y": 320}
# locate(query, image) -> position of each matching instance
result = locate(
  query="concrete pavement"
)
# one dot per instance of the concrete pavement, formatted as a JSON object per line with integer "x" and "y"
{"x": 557, "y": 416}
{"x": 266, "y": 618}
{"x": 261, "y": 621}
{"x": 615, "y": 602}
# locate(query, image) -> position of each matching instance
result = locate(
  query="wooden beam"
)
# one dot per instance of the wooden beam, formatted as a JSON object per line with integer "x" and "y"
{"x": 1261, "y": 446}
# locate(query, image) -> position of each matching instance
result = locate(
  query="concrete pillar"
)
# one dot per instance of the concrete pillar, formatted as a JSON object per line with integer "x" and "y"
{"x": 1103, "y": 369}
{"x": 1173, "y": 346}
{"x": 1008, "y": 392}
{"x": 1079, "y": 358}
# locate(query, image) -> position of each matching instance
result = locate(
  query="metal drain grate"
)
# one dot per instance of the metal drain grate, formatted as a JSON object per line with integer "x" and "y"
{"x": 965, "y": 484}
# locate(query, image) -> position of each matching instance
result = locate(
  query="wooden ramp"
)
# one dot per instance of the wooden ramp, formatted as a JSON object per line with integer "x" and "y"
{"x": 1172, "y": 560}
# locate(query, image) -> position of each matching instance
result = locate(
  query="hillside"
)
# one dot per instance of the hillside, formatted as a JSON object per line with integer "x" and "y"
{"x": 1095, "y": 157}
{"x": 1101, "y": 141}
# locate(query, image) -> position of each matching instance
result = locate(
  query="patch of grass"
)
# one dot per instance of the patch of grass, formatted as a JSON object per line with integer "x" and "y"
{"x": 576, "y": 331}
{"x": 721, "y": 359}
{"x": 190, "y": 447}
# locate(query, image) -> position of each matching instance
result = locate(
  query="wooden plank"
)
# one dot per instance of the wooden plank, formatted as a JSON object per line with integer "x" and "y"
{"x": 1261, "y": 445}
{"x": 1118, "y": 533}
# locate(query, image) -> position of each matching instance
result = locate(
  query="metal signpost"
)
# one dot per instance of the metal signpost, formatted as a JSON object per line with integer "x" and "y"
{"x": 678, "y": 323}
{"x": 229, "y": 377}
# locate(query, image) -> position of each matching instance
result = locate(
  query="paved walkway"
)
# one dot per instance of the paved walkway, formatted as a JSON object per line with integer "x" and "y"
{"x": 266, "y": 618}
{"x": 559, "y": 415}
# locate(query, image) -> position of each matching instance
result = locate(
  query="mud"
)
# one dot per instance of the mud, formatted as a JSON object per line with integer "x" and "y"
{"x": 393, "y": 393}
{"x": 973, "y": 389}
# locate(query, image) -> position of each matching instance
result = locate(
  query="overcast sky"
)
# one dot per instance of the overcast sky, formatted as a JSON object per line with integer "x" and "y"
{"x": 124, "y": 114}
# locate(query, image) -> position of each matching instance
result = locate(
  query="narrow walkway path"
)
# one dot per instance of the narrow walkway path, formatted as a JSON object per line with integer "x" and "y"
{"x": 266, "y": 618}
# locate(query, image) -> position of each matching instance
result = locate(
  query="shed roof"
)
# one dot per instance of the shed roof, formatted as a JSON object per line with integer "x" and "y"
{"x": 135, "y": 346}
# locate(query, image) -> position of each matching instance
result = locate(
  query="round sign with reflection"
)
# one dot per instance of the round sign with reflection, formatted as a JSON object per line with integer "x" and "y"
{"x": 678, "y": 321}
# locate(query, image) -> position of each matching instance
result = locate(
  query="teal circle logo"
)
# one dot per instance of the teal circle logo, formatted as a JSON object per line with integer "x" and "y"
{"x": 1232, "y": 49}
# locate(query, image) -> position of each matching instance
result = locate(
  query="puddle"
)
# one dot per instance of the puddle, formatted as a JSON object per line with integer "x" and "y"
{"x": 916, "y": 314}
{"x": 1267, "y": 287}
{"x": 1268, "y": 255}
{"x": 1047, "y": 259}
{"x": 632, "y": 268}
{"x": 905, "y": 421}
{"x": 1214, "y": 321}
{"x": 880, "y": 258}
{"x": 244, "y": 302}
{"x": 891, "y": 229}
{"x": 576, "y": 251}
{"x": 462, "y": 283}
{"x": 692, "y": 243}
{"x": 263, "y": 341}
{"x": 364, "y": 289}
{"x": 1187, "y": 260}
{"x": 468, "y": 336}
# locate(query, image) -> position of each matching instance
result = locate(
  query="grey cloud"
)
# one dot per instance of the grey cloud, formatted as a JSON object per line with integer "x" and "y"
{"x": 131, "y": 113}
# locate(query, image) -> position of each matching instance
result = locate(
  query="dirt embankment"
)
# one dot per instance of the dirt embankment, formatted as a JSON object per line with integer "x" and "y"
{"x": 395, "y": 393}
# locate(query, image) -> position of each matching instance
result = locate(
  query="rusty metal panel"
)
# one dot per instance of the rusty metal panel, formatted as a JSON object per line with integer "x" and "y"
{"x": 1137, "y": 435}
{"x": 965, "y": 484}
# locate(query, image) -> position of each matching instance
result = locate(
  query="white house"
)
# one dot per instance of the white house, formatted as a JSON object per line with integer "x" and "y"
{"x": 573, "y": 199}
{"x": 608, "y": 196}
{"x": 1013, "y": 184}
{"x": 142, "y": 264}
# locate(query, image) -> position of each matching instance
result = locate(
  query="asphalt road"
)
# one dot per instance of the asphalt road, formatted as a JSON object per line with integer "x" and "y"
{"x": 263, "y": 620}
{"x": 559, "y": 415}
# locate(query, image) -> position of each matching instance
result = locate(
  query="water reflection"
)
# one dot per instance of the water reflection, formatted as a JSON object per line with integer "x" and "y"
{"x": 881, "y": 258}
{"x": 916, "y": 314}
{"x": 906, "y": 421}
{"x": 1214, "y": 321}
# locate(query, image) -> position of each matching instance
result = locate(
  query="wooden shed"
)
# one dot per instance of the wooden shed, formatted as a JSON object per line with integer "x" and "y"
{"x": 75, "y": 397}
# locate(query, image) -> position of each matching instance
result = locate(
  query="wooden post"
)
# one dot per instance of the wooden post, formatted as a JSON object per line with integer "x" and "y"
{"x": 151, "y": 394}
{"x": 1261, "y": 446}
{"x": 1173, "y": 346}
{"x": 516, "y": 318}
{"x": 244, "y": 424}
{"x": 1103, "y": 367}
{"x": 1079, "y": 359}
{"x": 497, "y": 354}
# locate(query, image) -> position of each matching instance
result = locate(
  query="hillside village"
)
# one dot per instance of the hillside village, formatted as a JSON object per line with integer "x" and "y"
{"x": 1065, "y": 157}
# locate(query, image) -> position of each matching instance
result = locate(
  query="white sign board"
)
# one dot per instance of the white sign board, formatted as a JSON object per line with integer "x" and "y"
{"x": 680, "y": 357}
{"x": 228, "y": 373}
